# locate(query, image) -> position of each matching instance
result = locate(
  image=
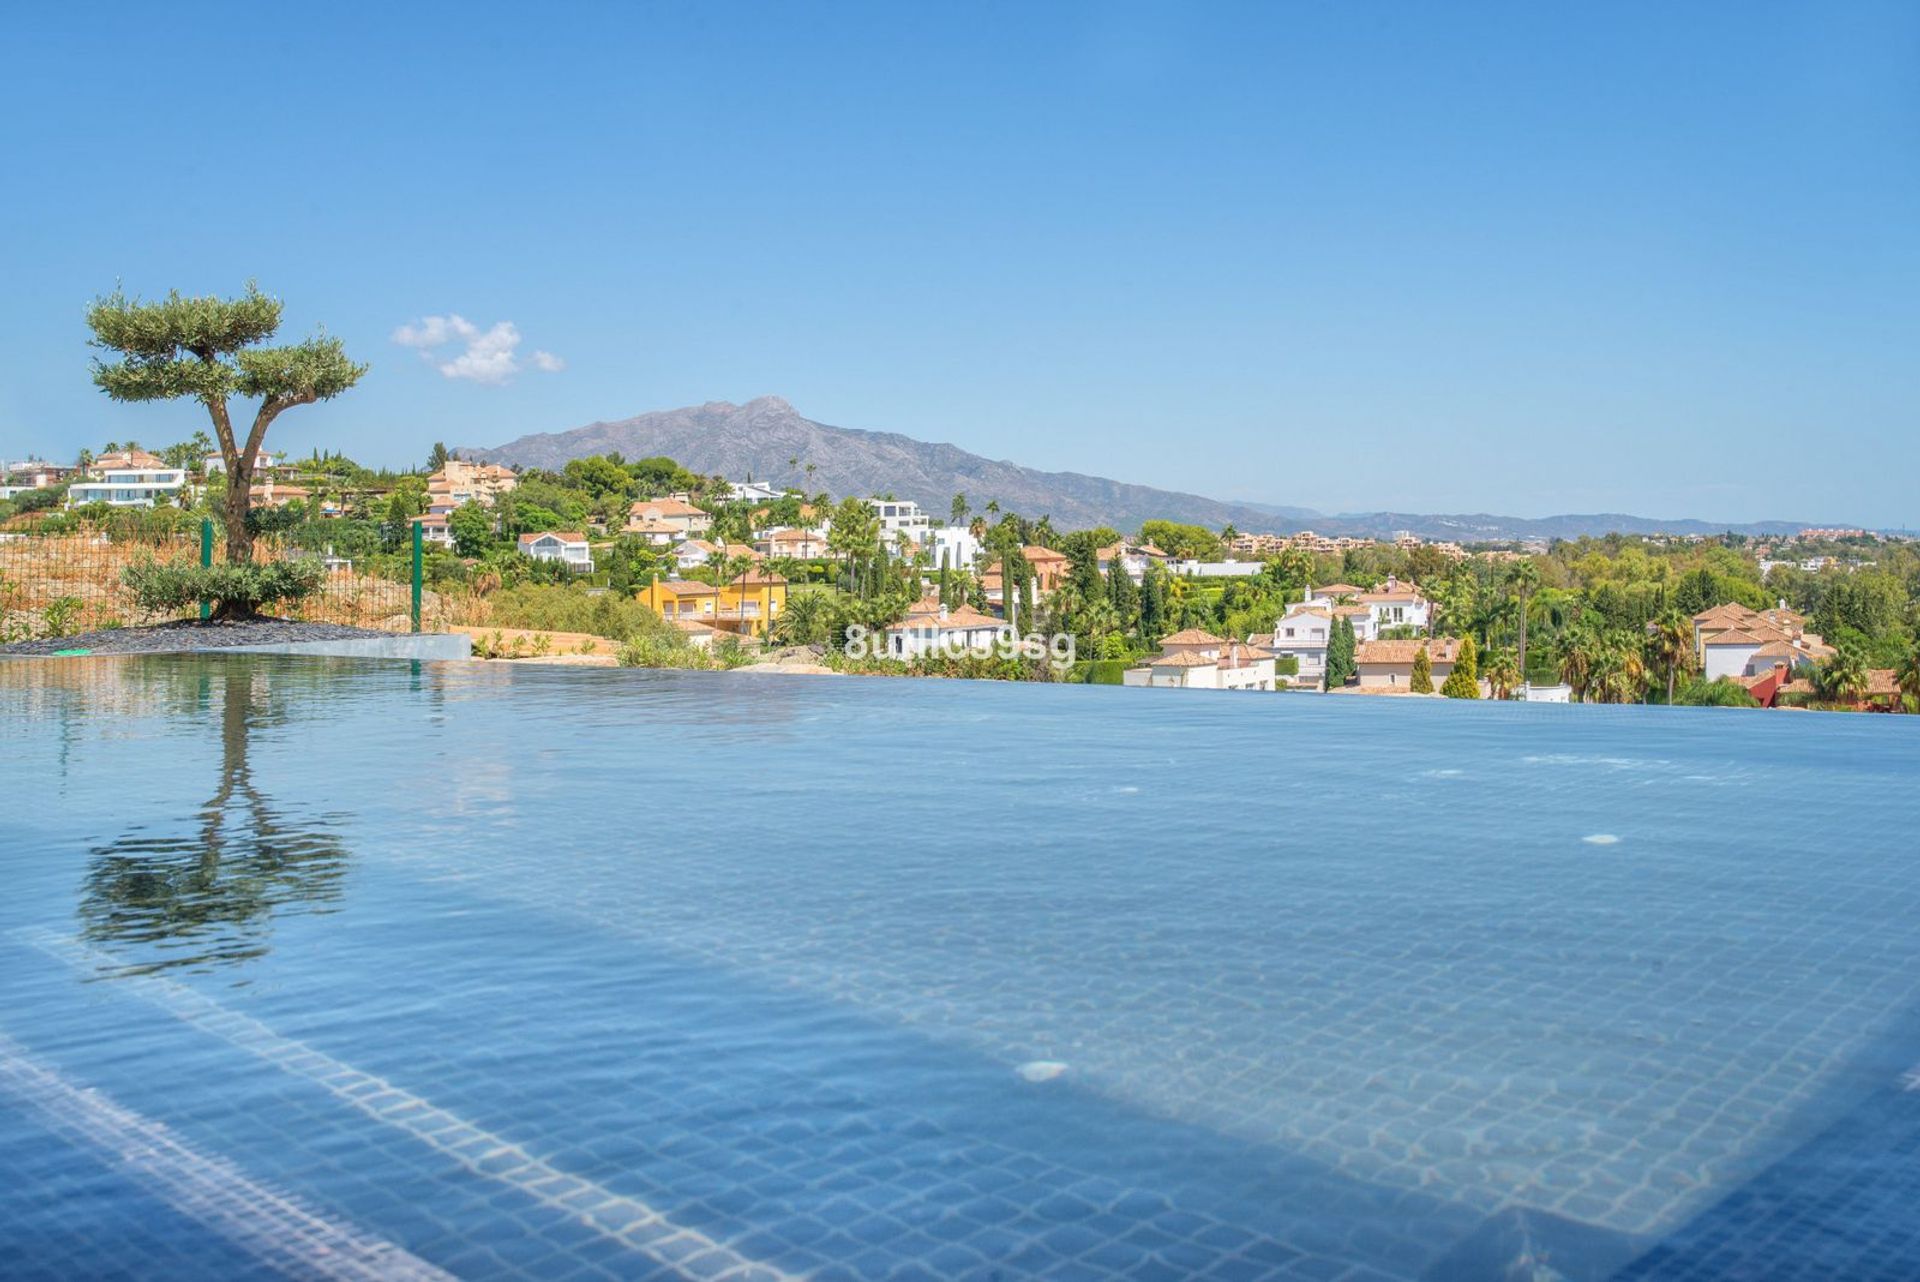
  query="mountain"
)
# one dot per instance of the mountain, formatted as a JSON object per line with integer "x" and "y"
{"x": 763, "y": 438}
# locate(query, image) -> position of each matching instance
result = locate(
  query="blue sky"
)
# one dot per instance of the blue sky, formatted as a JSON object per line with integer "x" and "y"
{"x": 1518, "y": 258}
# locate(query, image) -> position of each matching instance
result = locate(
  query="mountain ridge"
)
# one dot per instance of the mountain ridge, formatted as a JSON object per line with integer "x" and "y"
{"x": 764, "y": 437}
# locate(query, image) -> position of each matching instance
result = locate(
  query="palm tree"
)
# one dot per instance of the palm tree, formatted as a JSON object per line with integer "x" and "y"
{"x": 1522, "y": 578}
{"x": 1907, "y": 675}
{"x": 1842, "y": 678}
{"x": 1579, "y": 657}
{"x": 1670, "y": 646}
{"x": 1503, "y": 674}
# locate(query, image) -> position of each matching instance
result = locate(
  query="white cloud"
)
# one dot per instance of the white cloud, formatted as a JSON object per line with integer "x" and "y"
{"x": 488, "y": 356}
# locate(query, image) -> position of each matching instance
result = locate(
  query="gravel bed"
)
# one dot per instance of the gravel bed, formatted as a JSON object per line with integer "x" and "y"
{"x": 192, "y": 634}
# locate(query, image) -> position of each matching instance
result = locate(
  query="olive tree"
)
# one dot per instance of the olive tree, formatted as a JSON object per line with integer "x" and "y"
{"x": 209, "y": 349}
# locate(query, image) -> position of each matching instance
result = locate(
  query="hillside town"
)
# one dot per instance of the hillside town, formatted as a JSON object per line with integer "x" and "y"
{"x": 683, "y": 569}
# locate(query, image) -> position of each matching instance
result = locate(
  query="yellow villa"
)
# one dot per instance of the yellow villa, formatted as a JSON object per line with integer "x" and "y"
{"x": 746, "y": 604}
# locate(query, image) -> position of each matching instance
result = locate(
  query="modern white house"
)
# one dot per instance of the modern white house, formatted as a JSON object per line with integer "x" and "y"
{"x": 127, "y": 478}
{"x": 569, "y": 549}
{"x": 932, "y": 627}
{"x": 751, "y": 492}
{"x": 1193, "y": 659}
{"x": 900, "y": 517}
{"x": 952, "y": 545}
{"x": 1304, "y": 632}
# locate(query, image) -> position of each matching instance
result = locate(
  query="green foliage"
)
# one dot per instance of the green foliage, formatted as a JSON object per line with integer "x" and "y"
{"x": 472, "y": 528}
{"x": 662, "y": 651}
{"x": 239, "y": 589}
{"x": 570, "y": 608}
{"x": 1182, "y": 542}
{"x": 1422, "y": 679}
{"x": 1106, "y": 672}
{"x": 1721, "y": 693}
{"x": 1341, "y": 648}
{"x": 1463, "y": 681}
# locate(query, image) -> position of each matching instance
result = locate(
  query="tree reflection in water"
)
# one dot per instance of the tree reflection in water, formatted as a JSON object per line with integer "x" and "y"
{"x": 209, "y": 897}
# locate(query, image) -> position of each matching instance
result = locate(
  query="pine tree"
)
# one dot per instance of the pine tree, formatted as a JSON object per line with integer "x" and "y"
{"x": 1422, "y": 682}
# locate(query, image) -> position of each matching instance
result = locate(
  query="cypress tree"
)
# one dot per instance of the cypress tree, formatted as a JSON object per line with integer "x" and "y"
{"x": 1123, "y": 595}
{"x": 1153, "y": 607}
{"x": 946, "y": 580}
{"x": 1422, "y": 682}
{"x": 1463, "y": 681}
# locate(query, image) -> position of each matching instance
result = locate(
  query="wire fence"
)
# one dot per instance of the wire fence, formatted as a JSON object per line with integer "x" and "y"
{"x": 57, "y": 579}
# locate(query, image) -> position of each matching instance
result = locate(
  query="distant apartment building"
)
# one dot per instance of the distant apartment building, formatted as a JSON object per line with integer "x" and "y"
{"x": 127, "y": 478}
{"x": 459, "y": 483}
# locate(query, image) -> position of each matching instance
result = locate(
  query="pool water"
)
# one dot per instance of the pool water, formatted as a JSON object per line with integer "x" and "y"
{"x": 329, "y": 969}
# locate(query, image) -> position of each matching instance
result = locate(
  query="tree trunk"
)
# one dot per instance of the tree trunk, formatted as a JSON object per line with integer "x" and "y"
{"x": 239, "y": 503}
{"x": 1523, "y": 640}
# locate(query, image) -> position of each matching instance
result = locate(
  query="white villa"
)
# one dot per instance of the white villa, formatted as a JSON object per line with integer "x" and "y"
{"x": 571, "y": 550}
{"x": 1193, "y": 659}
{"x": 1134, "y": 558}
{"x": 1303, "y": 632}
{"x": 127, "y": 478}
{"x": 930, "y": 626}
{"x": 435, "y": 529}
{"x": 1734, "y": 641}
{"x": 672, "y": 516}
{"x": 216, "y": 463}
{"x": 788, "y": 541}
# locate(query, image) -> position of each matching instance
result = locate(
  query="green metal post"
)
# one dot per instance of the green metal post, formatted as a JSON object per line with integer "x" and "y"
{"x": 419, "y": 556}
{"x": 206, "y": 559}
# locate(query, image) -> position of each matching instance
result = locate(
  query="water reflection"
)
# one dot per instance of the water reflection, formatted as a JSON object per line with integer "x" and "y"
{"x": 209, "y": 895}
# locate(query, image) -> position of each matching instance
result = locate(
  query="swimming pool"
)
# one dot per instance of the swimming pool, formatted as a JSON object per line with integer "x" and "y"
{"x": 339, "y": 970}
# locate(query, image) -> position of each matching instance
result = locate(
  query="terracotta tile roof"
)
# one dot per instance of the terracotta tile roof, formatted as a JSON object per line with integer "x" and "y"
{"x": 1192, "y": 636}
{"x": 959, "y": 619}
{"x": 1184, "y": 659}
{"x": 123, "y": 459}
{"x": 1882, "y": 681}
{"x": 651, "y": 527}
{"x": 693, "y": 627}
{"x": 665, "y": 508}
{"x": 1036, "y": 554}
{"x": 562, "y": 535}
{"x": 755, "y": 577}
{"x": 1735, "y": 636}
{"x": 697, "y": 545}
{"x": 1439, "y": 649}
{"x": 1337, "y": 589}
{"x": 687, "y": 587}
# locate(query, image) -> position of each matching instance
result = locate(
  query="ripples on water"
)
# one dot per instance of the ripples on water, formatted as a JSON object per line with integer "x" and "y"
{"x": 513, "y": 972}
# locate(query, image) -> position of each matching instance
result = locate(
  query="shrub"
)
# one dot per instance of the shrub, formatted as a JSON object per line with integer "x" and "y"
{"x": 1107, "y": 672}
{"x": 1719, "y": 693}
{"x": 238, "y": 589}
{"x": 661, "y": 650}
